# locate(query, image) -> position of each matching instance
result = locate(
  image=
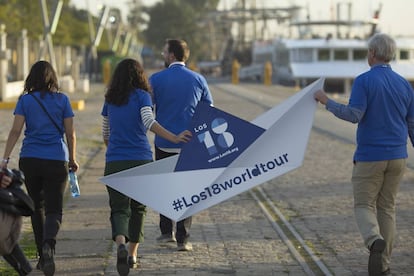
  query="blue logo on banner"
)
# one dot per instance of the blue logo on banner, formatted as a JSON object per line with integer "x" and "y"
{"x": 218, "y": 139}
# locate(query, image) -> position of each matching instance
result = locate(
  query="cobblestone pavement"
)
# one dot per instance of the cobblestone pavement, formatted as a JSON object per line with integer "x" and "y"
{"x": 234, "y": 237}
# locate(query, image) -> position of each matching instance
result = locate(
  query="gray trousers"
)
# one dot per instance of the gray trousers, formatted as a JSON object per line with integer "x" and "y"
{"x": 11, "y": 226}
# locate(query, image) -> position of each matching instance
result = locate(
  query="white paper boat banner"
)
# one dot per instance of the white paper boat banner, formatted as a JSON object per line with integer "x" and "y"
{"x": 225, "y": 157}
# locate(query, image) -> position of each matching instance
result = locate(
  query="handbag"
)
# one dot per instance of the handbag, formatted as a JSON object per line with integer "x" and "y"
{"x": 13, "y": 199}
{"x": 47, "y": 113}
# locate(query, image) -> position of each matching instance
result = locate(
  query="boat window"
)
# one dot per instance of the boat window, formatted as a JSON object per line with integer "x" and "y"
{"x": 404, "y": 55}
{"x": 262, "y": 58}
{"x": 282, "y": 57}
{"x": 302, "y": 55}
{"x": 323, "y": 54}
{"x": 359, "y": 54}
{"x": 341, "y": 54}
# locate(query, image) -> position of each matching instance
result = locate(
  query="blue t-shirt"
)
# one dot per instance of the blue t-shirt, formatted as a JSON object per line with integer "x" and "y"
{"x": 177, "y": 91}
{"x": 127, "y": 137}
{"x": 42, "y": 139}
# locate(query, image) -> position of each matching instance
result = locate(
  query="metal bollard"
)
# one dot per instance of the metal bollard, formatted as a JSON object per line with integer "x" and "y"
{"x": 268, "y": 73}
{"x": 106, "y": 76}
{"x": 235, "y": 72}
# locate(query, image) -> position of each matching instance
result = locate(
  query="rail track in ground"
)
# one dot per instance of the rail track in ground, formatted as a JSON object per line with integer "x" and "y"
{"x": 256, "y": 102}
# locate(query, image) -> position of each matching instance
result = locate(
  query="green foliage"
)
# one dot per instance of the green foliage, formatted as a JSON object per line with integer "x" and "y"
{"x": 183, "y": 19}
{"x": 72, "y": 28}
{"x": 17, "y": 15}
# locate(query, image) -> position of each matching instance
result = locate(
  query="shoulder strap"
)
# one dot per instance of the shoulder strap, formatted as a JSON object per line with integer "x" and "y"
{"x": 47, "y": 113}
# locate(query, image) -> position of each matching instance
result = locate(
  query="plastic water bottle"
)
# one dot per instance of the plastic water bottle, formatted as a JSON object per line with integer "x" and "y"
{"x": 73, "y": 184}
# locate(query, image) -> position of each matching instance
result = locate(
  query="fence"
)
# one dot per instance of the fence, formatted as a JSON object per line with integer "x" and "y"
{"x": 17, "y": 55}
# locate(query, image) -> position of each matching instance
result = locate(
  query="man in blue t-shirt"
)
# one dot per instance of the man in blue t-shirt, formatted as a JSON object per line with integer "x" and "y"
{"x": 176, "y": 90}
{"x": 382, "y": 103}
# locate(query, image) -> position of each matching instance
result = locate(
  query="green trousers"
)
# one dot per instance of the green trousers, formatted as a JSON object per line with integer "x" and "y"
{"x": 127, "y": 215}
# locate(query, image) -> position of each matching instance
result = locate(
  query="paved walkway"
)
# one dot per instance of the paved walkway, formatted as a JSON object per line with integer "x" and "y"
{"x": 234, "y": 237}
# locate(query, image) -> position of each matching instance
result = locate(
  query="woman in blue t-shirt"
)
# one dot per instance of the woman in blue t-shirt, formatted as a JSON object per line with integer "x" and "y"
{"x": 44, "y": 156}
{"x": 127, "y": 114}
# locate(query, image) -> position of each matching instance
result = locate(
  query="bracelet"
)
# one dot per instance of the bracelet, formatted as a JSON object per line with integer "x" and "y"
{"x": 6, "y": 160}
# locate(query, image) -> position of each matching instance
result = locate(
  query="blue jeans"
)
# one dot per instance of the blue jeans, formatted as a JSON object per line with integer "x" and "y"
{"x": 375, "y": 186}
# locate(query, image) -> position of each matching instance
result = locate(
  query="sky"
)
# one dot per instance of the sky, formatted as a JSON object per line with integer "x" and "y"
{"x": 395, "y": 18}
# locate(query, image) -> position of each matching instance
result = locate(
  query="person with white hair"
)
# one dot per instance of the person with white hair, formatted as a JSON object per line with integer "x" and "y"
{"x": 382, "y": 104}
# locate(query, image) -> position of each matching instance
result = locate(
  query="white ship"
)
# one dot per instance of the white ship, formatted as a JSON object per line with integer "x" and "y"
{"x": 338, "y": 55}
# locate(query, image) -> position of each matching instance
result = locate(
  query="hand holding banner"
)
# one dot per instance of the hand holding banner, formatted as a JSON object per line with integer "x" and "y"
{"x": 219, "y": 138}
{"x": 225, "y": 157}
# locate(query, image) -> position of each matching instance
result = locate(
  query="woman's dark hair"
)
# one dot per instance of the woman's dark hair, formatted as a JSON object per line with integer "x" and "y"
{"x": 42, "y": 77}
{"x": 128, "y": 76}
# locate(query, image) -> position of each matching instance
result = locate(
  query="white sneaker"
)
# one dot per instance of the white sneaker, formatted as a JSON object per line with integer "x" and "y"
{"x": 166, "y": 238}
{"x": 184, "y": 246}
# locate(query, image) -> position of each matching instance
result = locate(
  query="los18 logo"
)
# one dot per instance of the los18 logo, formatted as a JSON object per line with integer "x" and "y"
{"x": 224, "y": 139}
